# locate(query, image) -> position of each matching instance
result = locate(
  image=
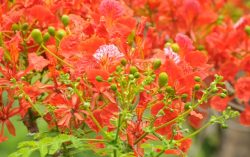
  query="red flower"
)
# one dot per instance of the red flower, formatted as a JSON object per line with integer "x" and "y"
{"x": 245, "y": 64}
{"x": 91, "y": 74}
{"x": 37, "y": 62}
{"x": 6, "y": 112}
{"x": 245, "y": 117}
{"x": 218, "y": 103}
{"x": 196, "y": 58}
{"x": 242, "y": 88}
{"x": 229, "y": 70}
{"x": 69, "y": 112}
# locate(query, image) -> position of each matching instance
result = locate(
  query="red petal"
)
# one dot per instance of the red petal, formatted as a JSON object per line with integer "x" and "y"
{"x": 10, "y": 127}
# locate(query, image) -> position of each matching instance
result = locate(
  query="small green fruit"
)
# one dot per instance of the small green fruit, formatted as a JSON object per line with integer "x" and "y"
{"x": 247, "y": 30}
{"x": 175, "y": 47}
{"x": 113, "y": 87}
{"x": 46, "y": 37}
{"x": 163, "y": 79}
{"x": 65, "y": 20}
{"x": 156, "y": 64}
{"x": 36, "y": 34}
{"x": 60, "y": 34}
{"x": 52, "y": 30}
{"x": 133, "y": 70}
{"x": 99, "y": 78}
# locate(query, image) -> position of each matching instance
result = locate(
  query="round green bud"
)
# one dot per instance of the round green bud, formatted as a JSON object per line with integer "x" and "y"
{"x": 136, "y": 74}
{"x": 52, "y": 30}
{"x": 60, "y": 34}
{"x": 110, "y": 79}
{"x": 168, "y": 44}
{"x": 113, "y": 87}
{"x": 197, "y": 86}
{"x": 163, "y": 79}
{"x": 169, "y": 89}
{"x": 197, "y": 79}
{"x": 133, "y": 70}
{"x": 200, "y": 47}
{"x": 25, "y": 26}
{"x": 99, "y": 78}
{"x": 184, "y": 96}
{"x": 156, "y": 64}
{"x": 123, "y": 62}
{"x": 188, "y": 105}
{"x": 215, "y": 90}
{"x": 131, "y": 77}
{"x": 46, "y": 37}
{"x": 175, "y": 47}
{"x": 118, "y": 68}
{"x": 15, "y": 27}
{"x": 223, "y": 95}
{"x": 65, "y": 20}
{"x": 247, "y": 30}
{"x": 36, "y": 34}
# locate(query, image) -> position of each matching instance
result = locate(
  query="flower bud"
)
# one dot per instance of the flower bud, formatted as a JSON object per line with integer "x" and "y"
{"x": 247, "y": 30}
{"x": 223, "y": 95}
{"x": 197, "y": 79}
{"x": 136, "y": 74}
{"x": 175, "y": 47}
{"x": 156, "y": 64}
{"x": 51, "y": 30}
{"x": 123, "y": 62}
{"x": 113, "y": 87}
{"x": 65, "y": 20}
{"x": 46, "y": 37}
{"x": 197, "y": 86}
{"x": 60, "y": 34}
{"x": 163, "y": 79}
{"x": 99, "y": 78}
{"x": 36, "y": 34}
{"x": 133, "y": 70}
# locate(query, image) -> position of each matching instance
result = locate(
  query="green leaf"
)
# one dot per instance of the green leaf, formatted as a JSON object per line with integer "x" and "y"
{"x": 43, "y": 150}
{"x": 5, "y": 98}
{"x": 54, "y": 148}
{"x": 35, "y": 78}
{"x": 41, "y": 108}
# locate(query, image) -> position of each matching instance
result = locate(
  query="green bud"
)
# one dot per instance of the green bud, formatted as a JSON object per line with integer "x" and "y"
{"x": 247, "y": 30}
{"x": 197, "y": 79}
{"x": 65, "y": 20}
{"x": 197, "y": 86}
{"x": 118, "y": 69}
{"x": 223, "y": 95}
{"x": 214, "y": 90}
{"x": 99, "y": 78}
{"x": 113, "y": 87}
{"x": 131, "y": 77}
{"x": 188, "y": 105}
{"x": 133, "y": 70}
{"x": 25, "y": 26}
{"x": 110, "y": 79}
{"x": 163, "y": 79}
{"x": 169, "y": 89}
{"x": 156, "y": 64}
{"x": 52, "y": 30}
{"x": 123, "y": 62}
{"x": 175, "y": 47}
{"x": 184, "y": 96}
{"x": 36, "y": 34}
{"x": 60, "y": 34}
{"x": 136, "y": 74}
{"x": 46, "y": 37}
{"x": 15, "y": 27}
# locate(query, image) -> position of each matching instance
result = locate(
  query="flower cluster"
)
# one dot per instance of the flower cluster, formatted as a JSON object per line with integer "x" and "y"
{"x": 118, "y": 77}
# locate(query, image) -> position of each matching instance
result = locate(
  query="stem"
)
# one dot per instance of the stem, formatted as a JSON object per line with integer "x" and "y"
{"x": 54, "y": 55}
{"x": 195, "y": 132}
